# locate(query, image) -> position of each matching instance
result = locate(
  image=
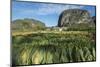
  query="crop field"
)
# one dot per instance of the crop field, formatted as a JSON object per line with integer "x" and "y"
{"x": 50, "y": 48}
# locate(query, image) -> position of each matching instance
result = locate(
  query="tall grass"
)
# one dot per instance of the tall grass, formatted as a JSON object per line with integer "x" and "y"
{"x": 47, "y": 48}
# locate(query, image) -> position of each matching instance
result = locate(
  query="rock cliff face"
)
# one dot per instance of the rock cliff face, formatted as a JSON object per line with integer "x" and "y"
{"x": 73, "y": 16}
{"x": 94, "y": 19}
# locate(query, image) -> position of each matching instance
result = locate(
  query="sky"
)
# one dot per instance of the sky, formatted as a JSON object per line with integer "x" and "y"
{"x": 48, "y": 13}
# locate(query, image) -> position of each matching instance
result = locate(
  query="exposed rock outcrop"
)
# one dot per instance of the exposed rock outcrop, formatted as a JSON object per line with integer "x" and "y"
{"x": 94, "y": 19}
{"x": 73, "y": 16}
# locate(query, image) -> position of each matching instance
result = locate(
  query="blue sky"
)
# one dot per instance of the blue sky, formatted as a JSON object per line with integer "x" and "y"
{"x": 47, "y": 13}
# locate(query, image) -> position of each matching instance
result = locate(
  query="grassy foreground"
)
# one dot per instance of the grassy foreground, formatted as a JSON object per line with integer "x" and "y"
{"x": 54, "y": 47}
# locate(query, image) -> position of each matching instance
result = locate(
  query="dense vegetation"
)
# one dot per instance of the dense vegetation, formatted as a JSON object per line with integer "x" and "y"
{"x": 24, "y": 25}
{"x": 44, "y": 48}
{"x": 82, "y": 27}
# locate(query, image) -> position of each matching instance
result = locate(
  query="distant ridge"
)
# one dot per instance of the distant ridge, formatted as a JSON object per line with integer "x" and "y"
{"x": 27, "y": 24}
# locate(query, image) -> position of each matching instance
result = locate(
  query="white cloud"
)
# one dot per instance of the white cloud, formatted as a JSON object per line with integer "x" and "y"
{"x": 46, "y": 9}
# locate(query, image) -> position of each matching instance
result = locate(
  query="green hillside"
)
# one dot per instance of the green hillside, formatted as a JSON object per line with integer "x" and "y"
{"x": 27, "y": 25}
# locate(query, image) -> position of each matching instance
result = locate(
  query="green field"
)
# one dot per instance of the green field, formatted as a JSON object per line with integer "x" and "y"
{"x": 53, "y": 47}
